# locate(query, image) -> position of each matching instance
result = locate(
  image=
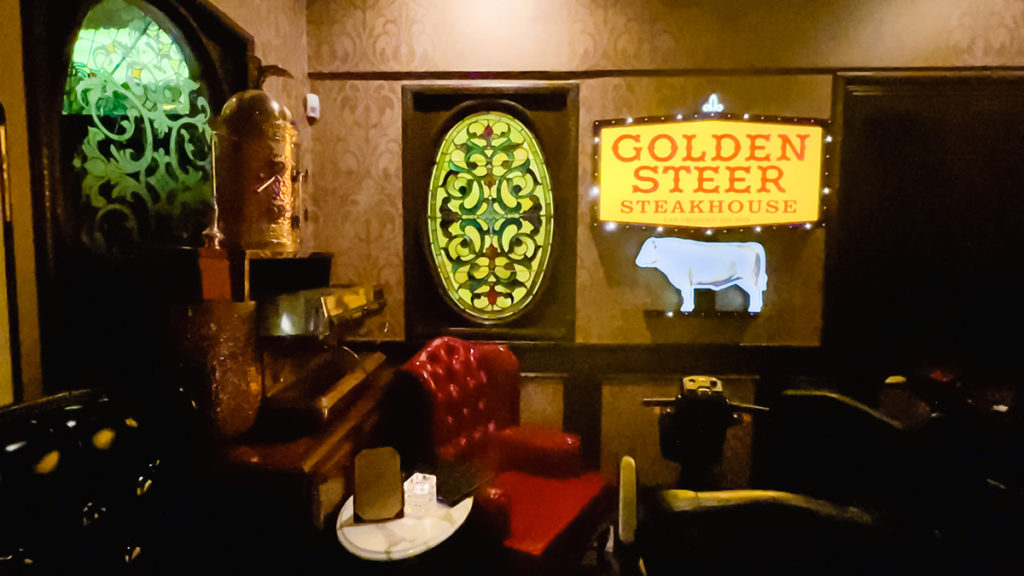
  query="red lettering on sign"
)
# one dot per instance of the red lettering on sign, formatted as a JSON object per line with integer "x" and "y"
{"x": 636, "y": 149}
{"x": 786, "y": 141}
{"x": 756, "y": 148}
{"x": 770, "y": 174}
{"x": 653, "y": 181}
{"x": 736, "y": 178}
{"x": 703, "y": 179}
{"x": 675, "y": 175}
{"x": 672, "y": 148}
{"x": 689, "y": 157}
{"x": 719, "y": 139}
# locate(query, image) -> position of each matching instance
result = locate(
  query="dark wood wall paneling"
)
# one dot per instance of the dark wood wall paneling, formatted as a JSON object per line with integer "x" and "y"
{"x": 551, "y": 112}
{"x": 926, "y": 251}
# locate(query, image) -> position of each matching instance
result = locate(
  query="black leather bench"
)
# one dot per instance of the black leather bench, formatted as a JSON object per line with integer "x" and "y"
{"x": 94, "y": 480}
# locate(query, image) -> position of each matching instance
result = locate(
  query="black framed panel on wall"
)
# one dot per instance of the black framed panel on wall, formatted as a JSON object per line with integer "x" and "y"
{"x": 489, "y": 209}
{"x": 931, "y": 214}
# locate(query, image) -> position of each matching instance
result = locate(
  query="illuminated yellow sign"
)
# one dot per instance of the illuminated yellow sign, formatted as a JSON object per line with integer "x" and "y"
{"x": 710, "y": 173}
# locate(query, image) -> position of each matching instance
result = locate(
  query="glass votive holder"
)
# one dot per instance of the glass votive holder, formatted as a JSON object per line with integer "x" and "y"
{"x": 420, "y": 494}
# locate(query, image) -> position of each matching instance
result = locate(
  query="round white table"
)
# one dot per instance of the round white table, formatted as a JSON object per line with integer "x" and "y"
{"x": 403, "y": 537}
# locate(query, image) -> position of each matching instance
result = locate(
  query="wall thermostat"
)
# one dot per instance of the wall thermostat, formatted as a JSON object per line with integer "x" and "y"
{"x": 312, "y": 104}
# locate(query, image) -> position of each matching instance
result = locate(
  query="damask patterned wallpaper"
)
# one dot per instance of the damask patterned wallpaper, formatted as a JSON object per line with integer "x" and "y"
{"x": 278, "y": 28}
{"x": 433, "y": 35}
{"x": 358, "y": 195}
{"x": 357, "y": 52}
{"x": 356, "y": 208}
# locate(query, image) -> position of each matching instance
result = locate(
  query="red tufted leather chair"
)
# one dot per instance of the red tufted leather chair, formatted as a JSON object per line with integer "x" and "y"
{"x": 471, "y": 390}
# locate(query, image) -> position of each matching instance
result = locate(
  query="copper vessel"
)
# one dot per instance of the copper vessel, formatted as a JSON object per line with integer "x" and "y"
{"x": 215, "y": 353}
{"x": 254, "y": 164}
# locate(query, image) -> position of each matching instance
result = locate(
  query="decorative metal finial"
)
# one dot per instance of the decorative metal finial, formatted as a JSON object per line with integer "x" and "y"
{"x": 712, "y": 105}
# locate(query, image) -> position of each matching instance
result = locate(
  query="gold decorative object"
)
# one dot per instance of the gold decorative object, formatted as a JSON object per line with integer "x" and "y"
{"x": 319, "y": 311}
{"x": 254, "y": 164}
{"x": 216, "y": 348}
{"x": 378, "y": 484}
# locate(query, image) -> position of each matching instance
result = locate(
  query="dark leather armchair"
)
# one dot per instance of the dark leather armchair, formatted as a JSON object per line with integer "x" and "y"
{"x": 458, "y": 401}
{"x": 675, "y": 531}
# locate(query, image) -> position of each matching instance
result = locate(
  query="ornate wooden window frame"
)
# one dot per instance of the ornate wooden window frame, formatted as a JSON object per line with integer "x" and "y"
{"x": 551, "y": 111}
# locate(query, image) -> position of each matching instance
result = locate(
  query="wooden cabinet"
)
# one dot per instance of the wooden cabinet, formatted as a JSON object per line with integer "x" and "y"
{"x": 296, "y": 463}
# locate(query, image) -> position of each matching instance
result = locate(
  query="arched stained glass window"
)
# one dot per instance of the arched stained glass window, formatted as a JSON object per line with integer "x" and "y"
{"x": 489, "y": 216}
{"x": 139, "y": 116}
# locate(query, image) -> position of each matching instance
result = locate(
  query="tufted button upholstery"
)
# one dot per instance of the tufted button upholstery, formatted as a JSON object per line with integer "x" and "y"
{"x": 469, "y": 392}
{"x": 475, "y": 390}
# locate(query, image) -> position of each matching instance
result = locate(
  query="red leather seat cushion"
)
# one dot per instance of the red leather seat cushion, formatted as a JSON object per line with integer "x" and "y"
{"x": 474, "y": 392}
{"x": 541, "y": 508}
{"x": 537, "y": 450}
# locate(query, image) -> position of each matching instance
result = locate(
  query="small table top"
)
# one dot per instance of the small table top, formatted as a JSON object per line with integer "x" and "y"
{"x": 403, "y": 537}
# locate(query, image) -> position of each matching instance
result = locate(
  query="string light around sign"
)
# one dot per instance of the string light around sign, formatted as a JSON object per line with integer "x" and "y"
{"x": 714, "y": 108}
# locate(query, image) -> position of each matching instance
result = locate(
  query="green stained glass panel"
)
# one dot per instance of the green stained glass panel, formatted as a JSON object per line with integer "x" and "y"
{"x": 490, "y": 216}
{"x": 139, "y": 117}
{"x": 140, "y": 55}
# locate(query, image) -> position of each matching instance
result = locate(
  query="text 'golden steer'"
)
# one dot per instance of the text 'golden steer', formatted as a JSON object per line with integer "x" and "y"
{"x": 710, "y": 173}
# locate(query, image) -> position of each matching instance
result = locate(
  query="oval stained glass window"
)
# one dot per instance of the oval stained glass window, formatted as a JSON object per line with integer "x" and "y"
{"x": 489, "y": 216}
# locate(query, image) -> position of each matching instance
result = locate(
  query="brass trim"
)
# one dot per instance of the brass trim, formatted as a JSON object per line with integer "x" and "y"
{"x": 6, "y": 206}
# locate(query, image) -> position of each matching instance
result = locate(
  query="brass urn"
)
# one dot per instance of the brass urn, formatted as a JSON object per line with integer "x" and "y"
{"x": 254, "y": 164}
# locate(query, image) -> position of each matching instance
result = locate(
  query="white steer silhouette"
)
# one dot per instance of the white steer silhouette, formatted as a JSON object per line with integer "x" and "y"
{"x": 690, "y": 264}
